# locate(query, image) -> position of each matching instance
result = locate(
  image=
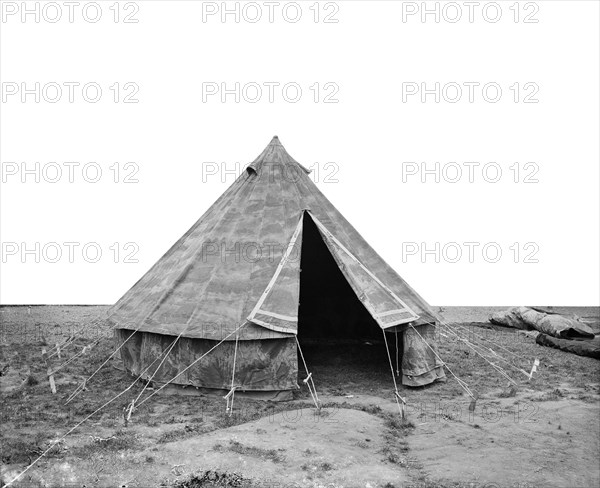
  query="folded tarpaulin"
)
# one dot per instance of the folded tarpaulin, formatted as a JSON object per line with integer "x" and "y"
{"x": 588, "y": 347}
{"x": 548, "y": 323}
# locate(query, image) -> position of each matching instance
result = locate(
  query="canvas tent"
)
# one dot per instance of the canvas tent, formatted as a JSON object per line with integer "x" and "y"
{"x": 272, "y": 259}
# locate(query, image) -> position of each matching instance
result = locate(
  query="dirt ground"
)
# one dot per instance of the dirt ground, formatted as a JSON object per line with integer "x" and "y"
{"x": 539, "y": 433}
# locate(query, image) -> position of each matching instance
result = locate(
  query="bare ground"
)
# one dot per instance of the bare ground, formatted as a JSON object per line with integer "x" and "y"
{"x": 543, "y": 432}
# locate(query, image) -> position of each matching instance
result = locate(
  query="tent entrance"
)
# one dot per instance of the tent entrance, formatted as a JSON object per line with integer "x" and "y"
{"x": 339, "y": 338}
{"x": 329, "y": 310}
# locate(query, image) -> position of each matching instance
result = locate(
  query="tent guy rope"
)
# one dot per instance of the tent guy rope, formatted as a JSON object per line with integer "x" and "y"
{"x": 80, "y": 423}
{"x": 485, "y": 350}
{"x": 192, "y": 364}
{"x": 231, "y": 395}
{"x": 149, "y": 381}
{"x": 469, "y": 345}
{"x": 86, "y": 380}
{"x": 121, "y": 394}
{"x": 401, "y": 402}
{"x": 308, "y": 381}
{"x": 462, "y": 383}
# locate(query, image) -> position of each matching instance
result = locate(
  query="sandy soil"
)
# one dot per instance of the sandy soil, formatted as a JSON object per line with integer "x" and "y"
{"x": 512, "y": 442}
{"x": 542, "y": 433}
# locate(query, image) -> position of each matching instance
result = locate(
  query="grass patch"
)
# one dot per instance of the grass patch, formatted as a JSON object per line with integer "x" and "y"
{"x": 396, "y": 447}
{"x": 315, "y": 468}
{"x": 25, "y": 449}
{"x": 121, "y": 441}
{"x": 215, "y": 479}
{"x": 182, "y": 433}
{"x": 252, "y": 451}
{"x": 508, "y": 392}
{"x": 32, "y": 380}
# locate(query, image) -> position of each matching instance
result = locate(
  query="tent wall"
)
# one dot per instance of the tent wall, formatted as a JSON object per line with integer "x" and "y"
{"x": 261, "y": 365}
{"x": 232, "y": 268}
{"x": 420, "y": 365}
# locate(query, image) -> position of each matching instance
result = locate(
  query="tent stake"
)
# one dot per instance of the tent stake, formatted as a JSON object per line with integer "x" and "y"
{"x": 308, "y": 381}
{"x": 536, "y": 363}
{"x": 231, "y": 395}
{"x": 49, "y": 371}
{"x": 128, "y": 411}
{"x": 398, "y": 398}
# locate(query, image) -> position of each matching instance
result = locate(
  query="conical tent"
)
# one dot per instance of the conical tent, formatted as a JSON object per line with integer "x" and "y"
{"x": 234, "y": 280}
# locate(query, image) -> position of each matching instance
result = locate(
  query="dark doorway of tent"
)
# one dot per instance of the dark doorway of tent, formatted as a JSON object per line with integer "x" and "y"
{"x": 342, "y": 344}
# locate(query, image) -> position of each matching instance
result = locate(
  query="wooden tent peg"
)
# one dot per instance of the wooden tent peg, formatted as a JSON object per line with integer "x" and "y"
{"x": 50, "y": 373}
{"x": 536, "y": 363}
{"x": 473, "y": 404}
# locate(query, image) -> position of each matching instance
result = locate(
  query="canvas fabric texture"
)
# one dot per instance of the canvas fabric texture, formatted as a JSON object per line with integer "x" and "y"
{"x": 261, "y": 365}
{"x": 420, "y": 365}
{"x": 239, "y": 266}
{"x": 581, "y": 347}
{"x": 208, "y": 283}
{"x": 548, "y": 323}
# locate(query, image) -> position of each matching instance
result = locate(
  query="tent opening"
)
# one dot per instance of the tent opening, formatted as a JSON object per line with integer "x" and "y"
{"x": 333, "y": 324}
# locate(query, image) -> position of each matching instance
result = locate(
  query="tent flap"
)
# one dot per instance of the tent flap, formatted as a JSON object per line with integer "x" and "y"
{"x": 277, "y": 308}
{"x": 385, "y": 307}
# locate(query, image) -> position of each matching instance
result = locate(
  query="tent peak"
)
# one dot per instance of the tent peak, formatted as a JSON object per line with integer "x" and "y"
{"x": 274, "y": 153}
{"x": 275, "y": 142}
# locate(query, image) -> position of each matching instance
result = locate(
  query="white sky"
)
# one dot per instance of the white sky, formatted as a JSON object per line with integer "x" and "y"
{"x": 368, "y": 54}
